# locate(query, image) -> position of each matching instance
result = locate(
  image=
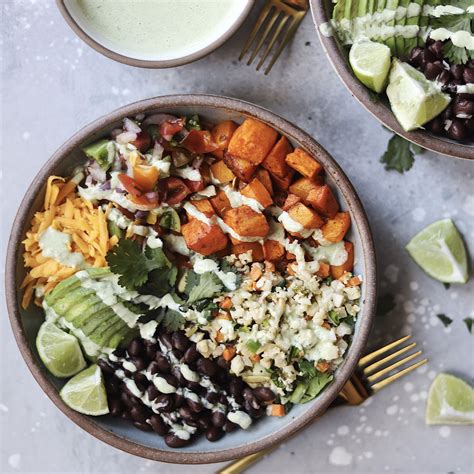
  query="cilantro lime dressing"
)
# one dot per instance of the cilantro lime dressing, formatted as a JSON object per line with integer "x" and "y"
{"x": 203, "y": 265}
{"x": 156, "y": 29}
{"x": 177, "y": 244}
{"x": 462, "y": 39}
{"x": 237, "y": 199}
{"x": 465, "y": 89}
{"x": 334, "y": 254}
{"x": 56, "y": 245}
{"x": 187, "y": 172}
{"x": 293, "y": 226}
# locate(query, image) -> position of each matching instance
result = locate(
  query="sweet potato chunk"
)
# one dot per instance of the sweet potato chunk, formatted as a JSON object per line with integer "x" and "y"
{"x": 335, "y": 229}
{"x": 244, "y": 170}
{"x": 282, "y": 183}
{"x": 323, "y": 200}
{"x": 221, "y": 172}
{"x": 324, "y": 270}
{"x": 338, "y": 270}
{"x": 290, "y": 201}
{"x": 204, "y": 206}
{"x": 221, "y": 135}
{"x": 303, "y": 186}
{"x": 203, "y": 238}
{"x": 275, "y": 160}
{"x": 256, "y": 190}
{"x": 264, "y": 177}
{"x": 308, "y": 218}
{"x": 246, "y": 222}
{"x": 252, "y": 141}
{"x": 273, "y": 250}
{"x": 220, "y": 202}
{"x": 300, "y": 161}
{"x": 254, "y": 247}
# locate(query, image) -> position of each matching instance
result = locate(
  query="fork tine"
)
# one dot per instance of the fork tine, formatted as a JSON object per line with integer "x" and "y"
{"x": 289, "y": 34}
{"x": 371, "y": 368}
{"x": 275, "y": 35}
{"x": 383, "y": 383}
{"x": 260, "y": 21}
{"x": 264, "y": 35}
{"x": 373, "y": 355}
{"x": 388, "y": 369}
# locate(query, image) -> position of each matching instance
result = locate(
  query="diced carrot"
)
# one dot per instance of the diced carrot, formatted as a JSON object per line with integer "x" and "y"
{"x": 354, "y": 281}
{"x": 255, "y": 272}
{"x": 224, "y": 315}
{"x": 322, "y": 366}
{"x": 229, "y": 353}
{"x": 226, "y": 303}
{"x": 255, "y": 358}
{"x": 219, "y": 336}
{"x": 277, "y": 409}
{"x": 324, "y": 270}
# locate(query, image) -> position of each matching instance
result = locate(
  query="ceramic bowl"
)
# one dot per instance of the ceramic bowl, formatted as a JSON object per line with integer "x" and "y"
{"x": 338, "y": 56}
{"x": 77, "y": 21}
{"x": 122, "y": 435}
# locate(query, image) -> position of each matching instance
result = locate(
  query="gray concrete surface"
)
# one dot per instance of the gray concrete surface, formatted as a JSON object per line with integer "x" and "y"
{"x": 53, "y": 84}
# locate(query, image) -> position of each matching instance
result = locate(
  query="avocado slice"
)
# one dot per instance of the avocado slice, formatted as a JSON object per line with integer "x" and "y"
{"x": 95, "y": 324}
{"x": 114, "y": 334}
{"x": 170, "y": 220}
{"x": 120, "y": 339}
{"x": 99, "y": 151}
{"x": 74, "y": 297}
{"x": 114, "y": 229}
{"x": 88, "y": 314}
{"x": 106, "y": 330}
{"x": 83, "y": 308}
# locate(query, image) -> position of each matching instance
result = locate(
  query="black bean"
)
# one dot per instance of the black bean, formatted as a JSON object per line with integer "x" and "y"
{"x": 214, "y": 434}
{"x": 151, "y": 350}
{"x": 158, "y": 425}
{"x": 252, "y": 410}
{"x": 264, "y": 394}
{"x": 206, "y": 366}
{"x": 194, "y": 386}
{"x": 432, "y": 71}
{"x": 171, "y": 379}
{"x": 178, "y": 400}
{"x": 186, "y": 414}
{"x": 222, "y": 363}
{"x": 457, "y": 131}
{"x": 457, "y": 71}
{"x": 113, "y": 387}
{"x": 135, "y": 348}
{"x": 106, "y": 366}
{"x": 163, "y": 363}
{"x": 174, "y": 442}
{"x": 153, "y": 367}
{"x": 236, "y": 386}
{"x": 115, "y": 407}
{"x": 229, "y": 427}
{"x": 180, "y": 341}
{"x": 250, "y": 399}
{"x": 166, "y": 340}
{"x": 469, "y": 124}
{"x": 139, "y": 413}
{"x": 177, "y": 354}
{"x": 447, "y": 112}
{"x": 142, "y": 426}
{"x": 139, "y": 363}
{"x": 203, "y": 422}
{"x": 126, "y": 399}
{"x": 179, "y": 376}
{"x": 212, "y": 397}
{"x": 468, "y": 75}
{"x": 119, "y": 352}
{"x": 165, "y": 402}
{"x": 152, "y": 392}
{"x": 416, "y": 56}
{"x": 444, "y": 78}
{"x": 223, "y": 399}
{"x": 427, "y": 57}
{"x": 141, "y": 381}
{"x": 194, "y": 406}
{"x": 191, "y": 354}
{"x": 218, "y": 419}
{"x": 463, "y": 107}
{"x": 437, "y": 49}
{"x": 126, "y": 415}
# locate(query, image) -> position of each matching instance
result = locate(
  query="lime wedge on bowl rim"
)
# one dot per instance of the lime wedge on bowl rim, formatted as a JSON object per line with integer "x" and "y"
{"x": 414, "y": 99}
{"x": 370, "y": 62}
{"x": 450, "y": 402}
{"x": 85, "y": 392}
{"x": 439, "y": 250}
{"x": 59, "y": 351}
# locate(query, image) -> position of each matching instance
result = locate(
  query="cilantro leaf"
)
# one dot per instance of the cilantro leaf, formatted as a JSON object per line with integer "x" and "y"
{"x": 169, "y": 319}
{"x": 316, "y": 384}
{"x": 156, "y": 258}
{"x": 469, "y": 322}
{"x": 399, "y": 155}
{"x": 334, "y": 317}
{"x": 446, "y": 320}
{"x": 307, "y": 367}
{"x": 160, "y": 282}
{"x": 208, "y": 286}
{"x": 385, "y": 304}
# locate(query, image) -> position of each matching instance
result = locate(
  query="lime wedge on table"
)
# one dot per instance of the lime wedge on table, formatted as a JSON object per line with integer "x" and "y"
{"x": 370, "y": 62}
{"x": 414, "y": 99}
{"x": 440, "y": 252}
{"x": 59, "y": 351}
{"x": 450, "y": 402}
{"x": 85, "y": 392}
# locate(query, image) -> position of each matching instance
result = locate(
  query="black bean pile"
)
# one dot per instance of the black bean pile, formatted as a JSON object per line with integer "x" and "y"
{"x": 199, "y": 406}
{"x": 456, "y": 121}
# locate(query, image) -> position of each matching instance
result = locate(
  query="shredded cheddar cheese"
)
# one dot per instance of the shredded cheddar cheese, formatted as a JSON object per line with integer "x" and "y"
{"x": 66, "y": 212}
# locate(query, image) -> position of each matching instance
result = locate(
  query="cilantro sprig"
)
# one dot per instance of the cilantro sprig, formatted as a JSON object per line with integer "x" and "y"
{"x": 399, "y": 155}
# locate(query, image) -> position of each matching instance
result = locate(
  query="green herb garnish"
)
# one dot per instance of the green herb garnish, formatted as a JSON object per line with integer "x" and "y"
{"x": 208, "y": 285}
{"x": 446, "y": 320}
{"x": 399, "y": 155}
{"x": 468, "y": 322}
{"x": 252, "y": 345}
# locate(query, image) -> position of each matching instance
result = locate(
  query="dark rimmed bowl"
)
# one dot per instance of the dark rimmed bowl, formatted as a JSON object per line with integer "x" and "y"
{"x": 151, "y": 64}
{"x": 321, "y": 11}
{"x": 268, "y": 431}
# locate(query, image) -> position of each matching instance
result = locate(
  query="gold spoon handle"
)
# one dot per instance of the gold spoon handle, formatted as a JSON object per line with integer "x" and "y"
{"x": 242, "y": 464}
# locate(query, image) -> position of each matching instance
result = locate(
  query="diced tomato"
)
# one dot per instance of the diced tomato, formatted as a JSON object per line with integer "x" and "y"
{"x": 169, "y": 127}
{"x": 199, "y": 141}
{"x": 131, "y": 186}
{"x": 143, "y": 142}
{"x": 146, "y": 200}
{"x": 145, "y": 176}
{"x": 194, "y": 186}
{"x": 176, "y": 190}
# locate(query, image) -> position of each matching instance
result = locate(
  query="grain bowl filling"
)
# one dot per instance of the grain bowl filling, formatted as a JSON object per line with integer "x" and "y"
{"x": 193, "y": 277}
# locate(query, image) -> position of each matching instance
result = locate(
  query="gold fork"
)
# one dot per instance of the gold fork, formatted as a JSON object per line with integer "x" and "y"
{"x": 366, "y": 380}
{"x": 275, "y": 15}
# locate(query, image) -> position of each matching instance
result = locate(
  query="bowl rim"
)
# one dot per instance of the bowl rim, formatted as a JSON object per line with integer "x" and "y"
{"x": 344, "y": 187}
{"x": 381, "y": 112}
{"x": 152, "y": 64}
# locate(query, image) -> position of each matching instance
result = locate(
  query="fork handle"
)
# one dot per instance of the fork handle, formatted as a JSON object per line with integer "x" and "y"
{"x": 301, "y": 4}
{"x": 240, "y": 465}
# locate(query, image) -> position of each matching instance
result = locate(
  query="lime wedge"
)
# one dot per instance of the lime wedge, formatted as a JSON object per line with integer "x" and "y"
{"x": 85, "y": 392}
{"x": 414, "y": 99}
{"x": 440, "y": 252}
{"x": 370, "y": 62}
{"x": 59, "y": 351}
{"x": 450, "y": 402}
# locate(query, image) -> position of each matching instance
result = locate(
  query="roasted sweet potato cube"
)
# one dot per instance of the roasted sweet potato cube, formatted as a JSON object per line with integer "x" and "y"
{"x": 282, "y": 183}
{"x": 256, "y": 190}
{"x": 221, "y": 135}
{"x": 306, "y": 216}
{"x": 221, "y": 172}
{"x": 303, "y": 186}
{"x": 275, "y": 160}
{"x": 244, "y": 170}
{"x": 335, "y": 229}
{"x": 300, "y": 161}
{"x": 202, "y": 238}
{"x": 273, "y": 250}
{"x": 244, "y": 247}
{"x": 246, "y": 222}
{"x": 338, "y": 270}
{"x": 264, "y": 177}
{"x": 290, "y": 201}
{"x": 220, "y": 202}
{"x": 324, "y": 270}
{"x": 323, "y": 200}
{"x": 204, "y": 206}
{"x": 252, "y": 141}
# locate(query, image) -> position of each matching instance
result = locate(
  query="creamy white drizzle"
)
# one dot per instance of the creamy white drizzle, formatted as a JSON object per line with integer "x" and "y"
{"x": 237, "y": 199}
{"x": 56, "y": 245}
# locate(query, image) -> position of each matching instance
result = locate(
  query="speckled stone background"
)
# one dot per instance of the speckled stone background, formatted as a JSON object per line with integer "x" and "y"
{"x": 53, "y": 84}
